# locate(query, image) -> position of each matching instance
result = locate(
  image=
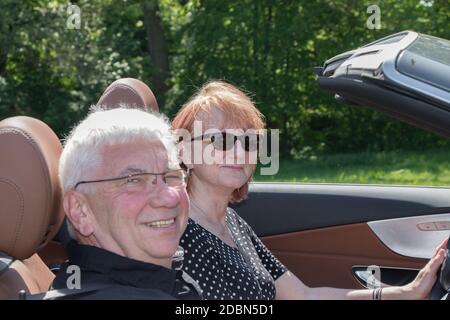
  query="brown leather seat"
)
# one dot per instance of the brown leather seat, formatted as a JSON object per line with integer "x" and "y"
{"x": 30, "y": 203}
{"x": 132, "y": 92}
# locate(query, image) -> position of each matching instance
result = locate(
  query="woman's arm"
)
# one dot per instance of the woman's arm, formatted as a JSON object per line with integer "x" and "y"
{"x": 289, "y": 287}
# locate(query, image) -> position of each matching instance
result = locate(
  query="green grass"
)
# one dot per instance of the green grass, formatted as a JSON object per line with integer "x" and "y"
{"x": 427, "y": 168}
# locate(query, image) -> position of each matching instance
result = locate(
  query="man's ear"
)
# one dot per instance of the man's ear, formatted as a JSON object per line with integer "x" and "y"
{"x": 79, "y": 213}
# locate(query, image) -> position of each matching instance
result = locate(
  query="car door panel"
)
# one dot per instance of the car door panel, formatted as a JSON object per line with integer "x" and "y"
{"x": 325, "y": 257}
{"x": 321, "y": 232}
{"x": 414, "y": 237}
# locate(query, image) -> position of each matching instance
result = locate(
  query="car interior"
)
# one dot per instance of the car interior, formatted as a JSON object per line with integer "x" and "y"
{"x": 332, "y": 235}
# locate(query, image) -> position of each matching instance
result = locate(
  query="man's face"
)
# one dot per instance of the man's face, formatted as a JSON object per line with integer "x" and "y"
{"x": 144, "y": 225}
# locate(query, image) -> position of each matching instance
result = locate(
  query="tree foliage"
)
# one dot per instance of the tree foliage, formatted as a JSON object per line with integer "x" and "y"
{"x": 266, "y": 47}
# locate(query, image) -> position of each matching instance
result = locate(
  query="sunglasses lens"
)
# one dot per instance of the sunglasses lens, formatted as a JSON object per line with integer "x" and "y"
{"x": 230, "y": 140}
{"x": 251, "y": 142}
{"x": 218, "y": 141}
{"x": 226, "y": 141}
{"x": 223, "y": 141}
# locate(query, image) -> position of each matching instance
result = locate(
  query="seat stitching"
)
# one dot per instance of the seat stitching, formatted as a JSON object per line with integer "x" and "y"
{"x": 46, "y": 173}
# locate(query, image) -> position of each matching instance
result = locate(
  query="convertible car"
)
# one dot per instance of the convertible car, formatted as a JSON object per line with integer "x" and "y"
{"x": 327, "y": 234}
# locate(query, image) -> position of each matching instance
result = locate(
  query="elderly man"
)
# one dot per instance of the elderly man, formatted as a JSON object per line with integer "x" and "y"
{"x": 126, "y": 203}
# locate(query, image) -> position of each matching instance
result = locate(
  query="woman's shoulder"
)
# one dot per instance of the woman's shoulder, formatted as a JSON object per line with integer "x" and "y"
{"x": 195, "y": 240}
{"x": 236, "y": 220}
{"x": 192, "y": 228}
{"x": 194, "y": 233}
{"x": 233, "y": 213}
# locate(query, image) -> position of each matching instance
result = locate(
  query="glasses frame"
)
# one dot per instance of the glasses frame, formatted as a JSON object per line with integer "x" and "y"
{"x": 134, "y": 175}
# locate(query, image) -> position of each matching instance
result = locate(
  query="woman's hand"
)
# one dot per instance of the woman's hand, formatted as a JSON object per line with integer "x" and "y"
{"x": 421, "y": 287}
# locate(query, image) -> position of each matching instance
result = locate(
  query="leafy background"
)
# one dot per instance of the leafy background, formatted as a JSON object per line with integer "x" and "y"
{"x": 266, "y": 47}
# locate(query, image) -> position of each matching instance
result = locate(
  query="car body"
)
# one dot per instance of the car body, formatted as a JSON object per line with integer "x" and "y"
{"x": 405, "y": 75}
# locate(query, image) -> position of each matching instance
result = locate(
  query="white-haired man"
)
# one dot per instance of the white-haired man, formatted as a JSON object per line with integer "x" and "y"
{"x": 126, "y": 203}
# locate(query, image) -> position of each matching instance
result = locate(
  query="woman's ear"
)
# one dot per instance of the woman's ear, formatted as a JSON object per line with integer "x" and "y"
{"x": 79, "y": 213}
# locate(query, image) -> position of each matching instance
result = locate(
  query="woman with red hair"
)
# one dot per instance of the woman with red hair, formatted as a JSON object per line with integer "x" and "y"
{"x": 222, "y": 253}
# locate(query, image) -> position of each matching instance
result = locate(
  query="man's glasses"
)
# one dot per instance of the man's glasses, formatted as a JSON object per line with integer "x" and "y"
{"x": 139, "y": 181}
{"x": 225, "y": 141}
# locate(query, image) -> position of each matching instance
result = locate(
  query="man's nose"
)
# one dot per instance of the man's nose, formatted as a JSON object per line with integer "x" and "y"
{"x": 164, "y": 196}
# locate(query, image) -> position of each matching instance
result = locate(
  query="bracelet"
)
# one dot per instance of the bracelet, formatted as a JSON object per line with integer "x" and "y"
{"x": 376, "y": 293}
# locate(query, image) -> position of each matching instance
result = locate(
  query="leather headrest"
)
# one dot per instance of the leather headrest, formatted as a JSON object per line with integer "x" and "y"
{"x": 30, "y": 195}
{"x": 131, "y": 92}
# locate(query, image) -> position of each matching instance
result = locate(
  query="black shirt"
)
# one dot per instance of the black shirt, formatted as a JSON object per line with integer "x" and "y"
{"x": 222, "y": 271}
{"x": 120, "y": 277}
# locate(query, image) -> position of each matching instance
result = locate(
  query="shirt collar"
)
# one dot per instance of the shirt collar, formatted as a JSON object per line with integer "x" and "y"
{"x": 121, "y": 269}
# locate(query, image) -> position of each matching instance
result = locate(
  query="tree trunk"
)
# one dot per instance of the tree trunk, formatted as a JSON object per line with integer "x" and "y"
{"x": 3, "y": 61}
{"x": 157, "y": 48}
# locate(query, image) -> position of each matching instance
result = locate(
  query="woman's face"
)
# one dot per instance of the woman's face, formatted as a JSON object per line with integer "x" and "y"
{"x": 226, "y": 170}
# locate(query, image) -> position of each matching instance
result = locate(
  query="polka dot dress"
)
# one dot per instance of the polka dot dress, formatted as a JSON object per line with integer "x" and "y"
{"x": 229, "y": 273}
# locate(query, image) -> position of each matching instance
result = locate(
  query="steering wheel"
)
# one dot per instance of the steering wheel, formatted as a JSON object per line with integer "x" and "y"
{"x": 441, "y": 288}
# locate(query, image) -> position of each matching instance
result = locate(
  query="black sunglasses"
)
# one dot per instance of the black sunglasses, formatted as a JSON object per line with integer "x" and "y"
{"x": 225, "y": 141}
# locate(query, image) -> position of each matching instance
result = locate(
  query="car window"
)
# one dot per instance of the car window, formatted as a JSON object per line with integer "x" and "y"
{"x": 433, "y": 48}
{"x": 427, "y": 60}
